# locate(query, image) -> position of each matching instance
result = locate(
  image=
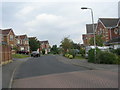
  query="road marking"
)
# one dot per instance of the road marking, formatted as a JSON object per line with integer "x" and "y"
{"x": 11, "y": 80}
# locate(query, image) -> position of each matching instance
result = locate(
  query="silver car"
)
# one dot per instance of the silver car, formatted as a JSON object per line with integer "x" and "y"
{"x": 35, "y": 54}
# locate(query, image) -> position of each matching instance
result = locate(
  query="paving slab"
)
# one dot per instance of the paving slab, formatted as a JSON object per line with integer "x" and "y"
{"x": 77, "y": 79}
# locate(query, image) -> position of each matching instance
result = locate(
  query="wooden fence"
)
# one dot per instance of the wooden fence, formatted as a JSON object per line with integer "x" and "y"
{"x": 6, "y": 54}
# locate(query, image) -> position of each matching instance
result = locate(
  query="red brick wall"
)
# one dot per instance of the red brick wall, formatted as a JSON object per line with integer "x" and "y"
{"x": 86, "y": 38}
{"x": 113, "y": 34}
{"x": 102, "y": 30}
{"x": 6, "y": 53}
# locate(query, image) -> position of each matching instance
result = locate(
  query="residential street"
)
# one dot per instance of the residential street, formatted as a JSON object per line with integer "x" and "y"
{"x": 60, "y": 44}
{"x": 8, "y": 72}
{"x": 49, "y": 72}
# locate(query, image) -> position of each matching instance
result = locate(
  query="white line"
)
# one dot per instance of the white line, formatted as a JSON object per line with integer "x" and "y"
{"x": 11, "y": 80}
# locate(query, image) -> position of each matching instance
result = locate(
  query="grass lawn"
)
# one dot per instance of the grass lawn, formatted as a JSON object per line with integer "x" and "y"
{"x": 19, "y": 56}
{"x": 79, "y": 57}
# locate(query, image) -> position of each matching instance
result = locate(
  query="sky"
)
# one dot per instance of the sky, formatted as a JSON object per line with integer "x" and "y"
{"x": 53, "y": 20}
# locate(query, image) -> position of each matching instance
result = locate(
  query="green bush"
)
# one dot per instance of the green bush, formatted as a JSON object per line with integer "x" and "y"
{"x": 72, "y": 52}
{"x": 118, "y": 59}
{"x": 116, "y": 51}
{"x": 82, "y": 52}
{"x": 71, "y": 56}
{"x": 43, "y": 51}
{"x": 107, "y": 58}
{"x": 91, "y": 55}
{"x": 67, "y": 55}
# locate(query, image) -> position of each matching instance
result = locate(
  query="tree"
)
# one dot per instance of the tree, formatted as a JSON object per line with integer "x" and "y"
{"x": 54, "y": 49}
{"x": 76, "y": 46}
{"x": 99, "y": 40}
{"x": 34, "y": 44}
{"x": 66, "y": 44}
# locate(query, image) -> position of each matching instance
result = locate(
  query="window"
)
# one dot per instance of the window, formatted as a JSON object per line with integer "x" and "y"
{"x": 12, "y": 46}
{"x": 18, "y": 41}
{"x": 101, "y": 31}
{"x": 11, "y": 37}
{"x": 116, "y": 31}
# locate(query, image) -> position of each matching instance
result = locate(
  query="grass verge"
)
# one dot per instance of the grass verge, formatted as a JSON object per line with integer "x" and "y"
{"x": 79, "y": 57}
{"x": 19, "y": 56}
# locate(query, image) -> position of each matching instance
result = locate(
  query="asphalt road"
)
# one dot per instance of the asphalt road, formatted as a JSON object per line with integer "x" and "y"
{"x": 7, "y": 72}
{"x": 49, "y": 72}
{"x": 44, "y": 65}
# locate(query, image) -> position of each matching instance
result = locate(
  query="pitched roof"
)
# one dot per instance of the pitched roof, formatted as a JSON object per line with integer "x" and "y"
{"x": 32, "y": 37}
{"x": 21, "y": 36}
{"x": 6, "y": 31}
{"x": 109, "y": 22}
{"x": 44, "y": 41}
{"x": 89, "y": 28}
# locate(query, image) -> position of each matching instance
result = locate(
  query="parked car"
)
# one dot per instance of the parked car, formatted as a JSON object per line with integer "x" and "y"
{"x": 23, "y": 52}
{"x": 35, "y": 54}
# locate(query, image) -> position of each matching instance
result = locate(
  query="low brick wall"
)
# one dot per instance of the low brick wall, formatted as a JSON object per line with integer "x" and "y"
{"x": 6, "y": 54}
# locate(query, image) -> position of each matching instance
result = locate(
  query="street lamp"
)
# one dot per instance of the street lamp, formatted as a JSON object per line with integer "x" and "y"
{"x": 93, "y": 29}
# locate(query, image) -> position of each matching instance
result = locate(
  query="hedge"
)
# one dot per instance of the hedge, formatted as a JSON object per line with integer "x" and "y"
{"x": 91, "y": 55}
{"x": 107, "y": 58}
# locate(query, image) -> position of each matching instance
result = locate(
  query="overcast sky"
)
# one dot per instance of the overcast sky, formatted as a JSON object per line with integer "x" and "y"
{"x": 54, "y": 20}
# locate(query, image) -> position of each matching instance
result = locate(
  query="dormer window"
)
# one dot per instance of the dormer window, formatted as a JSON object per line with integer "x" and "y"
{"x": 100, "y": 32}
{"x": 18, "y": 41}
{"x": 11, "y": 37}
{"x": 116, "y": 31}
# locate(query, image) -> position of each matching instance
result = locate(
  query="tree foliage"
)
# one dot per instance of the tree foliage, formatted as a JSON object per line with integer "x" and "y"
{"x": 34, "y": 44}
{"x": 76, "y": 46}
{"x": 66, "y": 44}
{"x": 54, "y": 49}
{"x": 99, "y": 40}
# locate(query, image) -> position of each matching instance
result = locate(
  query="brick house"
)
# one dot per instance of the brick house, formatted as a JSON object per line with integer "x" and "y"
{"x": 6, "y": 45}
{"x": 45, "y": 45}
{"x": 22, "y": 43}
{"x": 109, "y": 28}
{"x": 90, "y": 33}
{"x": 8, "y": 38}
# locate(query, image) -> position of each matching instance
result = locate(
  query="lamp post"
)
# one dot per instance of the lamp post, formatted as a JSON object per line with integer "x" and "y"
{"x": 93, "y": 29}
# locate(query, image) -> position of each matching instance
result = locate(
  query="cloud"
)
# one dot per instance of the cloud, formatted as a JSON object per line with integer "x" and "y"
{"x": 42, "y": 19}
{"x": 54, "y": 27}
{"x": 59, "y": 0}
{"x": 54, "y": 20}
{"x": 25, "y": 11}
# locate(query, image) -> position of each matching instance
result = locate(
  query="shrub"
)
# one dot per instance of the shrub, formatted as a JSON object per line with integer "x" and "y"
{"x": 67, "y": 55}
{"x": 71, "y": 56}
{"x": 107, "y": 58}
{"x": 91, "y": 55}
{"x": 82, "y": 52}
{"x": 118, "y": 59}
{"x": 72, "y": 52}
{"x": 43, "y": 51}
{"x": 116, "y": 51}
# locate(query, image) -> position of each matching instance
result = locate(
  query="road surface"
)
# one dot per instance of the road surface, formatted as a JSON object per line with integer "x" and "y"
{"x": 48, "y": 72}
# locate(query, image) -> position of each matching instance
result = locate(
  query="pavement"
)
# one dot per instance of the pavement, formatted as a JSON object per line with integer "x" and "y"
{"x": 86, "y": 64}
{"x": 8, "y": 71}
{"x": 77, "y": 79}
{"x": 59, "y": 72}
